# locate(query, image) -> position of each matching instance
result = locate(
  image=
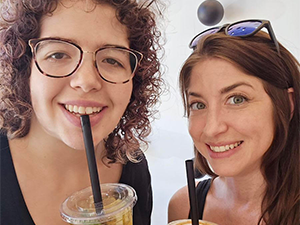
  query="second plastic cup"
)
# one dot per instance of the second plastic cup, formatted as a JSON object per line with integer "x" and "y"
{"x": 189, "y": 222}
{"x": 118, "y": 202}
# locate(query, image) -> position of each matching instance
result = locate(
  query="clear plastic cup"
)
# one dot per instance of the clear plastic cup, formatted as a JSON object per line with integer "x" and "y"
{"x": 189, "y": 222}
{"x": 118, "y": 202}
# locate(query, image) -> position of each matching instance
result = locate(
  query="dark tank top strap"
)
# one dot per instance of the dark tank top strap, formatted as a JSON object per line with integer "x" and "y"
{"x": 201, "y": 193}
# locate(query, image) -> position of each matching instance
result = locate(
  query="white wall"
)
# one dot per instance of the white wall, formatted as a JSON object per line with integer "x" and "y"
{"x": 170, "y": 142}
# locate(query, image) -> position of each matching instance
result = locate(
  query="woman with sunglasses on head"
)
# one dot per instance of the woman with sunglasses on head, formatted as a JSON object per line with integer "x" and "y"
{"x": 62, "y": 59}
{"x": 241, "y": 95}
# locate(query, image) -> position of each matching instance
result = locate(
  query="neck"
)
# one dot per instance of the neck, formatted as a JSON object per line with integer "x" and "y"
{"x": 51, "y": 151}
{"x": 244, "y": 189}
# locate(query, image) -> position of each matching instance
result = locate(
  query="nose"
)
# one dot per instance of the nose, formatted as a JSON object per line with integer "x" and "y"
{"x": 86, "y": 78}
{"x": 215, "y": 123}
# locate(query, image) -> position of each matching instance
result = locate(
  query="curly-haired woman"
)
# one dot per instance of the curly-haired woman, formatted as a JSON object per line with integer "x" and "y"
{"x": 62, "y": 59}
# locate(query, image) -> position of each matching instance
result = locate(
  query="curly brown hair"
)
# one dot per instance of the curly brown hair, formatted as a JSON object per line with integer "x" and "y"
{"x": 20, "y": 21}
{"x": 257, "y": 56}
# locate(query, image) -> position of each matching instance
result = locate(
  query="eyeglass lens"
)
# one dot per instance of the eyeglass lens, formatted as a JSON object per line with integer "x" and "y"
{"x": 243, "y": 28}
{"x": 239, "y": 29}
{"x": 207, "y": 32}
{"x": 59, "y": 58}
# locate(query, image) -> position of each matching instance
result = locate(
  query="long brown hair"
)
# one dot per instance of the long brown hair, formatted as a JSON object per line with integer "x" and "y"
{"x": 20, "y": 21}
{"x": 257, "y": 56}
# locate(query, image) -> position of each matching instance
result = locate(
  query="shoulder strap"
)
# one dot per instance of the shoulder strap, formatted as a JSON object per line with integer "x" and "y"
{"x": 3, "y": 142}
{"x": 13, "y": 207}
{"x": 201, "y": 193}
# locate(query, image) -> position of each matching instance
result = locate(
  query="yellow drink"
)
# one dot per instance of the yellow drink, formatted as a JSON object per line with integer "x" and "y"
{"x": 118, "y": 202}
{"x": 189, "y": 222}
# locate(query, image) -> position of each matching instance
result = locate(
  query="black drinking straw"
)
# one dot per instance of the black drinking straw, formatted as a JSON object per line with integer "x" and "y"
{"x": 192, "y": 191}
{"x": 90, "y": 154}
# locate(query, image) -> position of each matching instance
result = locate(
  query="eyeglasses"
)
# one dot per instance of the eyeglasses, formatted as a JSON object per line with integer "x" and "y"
{"x": 244, "y": 28}
{"x": 60, "y": 58}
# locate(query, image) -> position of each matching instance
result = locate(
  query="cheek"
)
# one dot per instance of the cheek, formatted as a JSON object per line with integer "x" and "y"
{"x": 122, "y": 94}
{"x": 127, "y": 96}
{"x": 43, "y": 89}
{"x": 195, "y": 127}
{"x": 265, "y": 128}
{"x": 38, "y": 89}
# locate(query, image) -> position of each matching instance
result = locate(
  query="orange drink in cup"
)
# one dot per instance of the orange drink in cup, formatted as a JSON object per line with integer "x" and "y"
{"x": 189, "y": 222}
{"x": 118, "y": 202}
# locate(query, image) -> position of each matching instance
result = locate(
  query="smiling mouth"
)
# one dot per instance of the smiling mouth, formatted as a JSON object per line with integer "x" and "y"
{"x": 225, "y": 147}
{"x": 81, "y": 110}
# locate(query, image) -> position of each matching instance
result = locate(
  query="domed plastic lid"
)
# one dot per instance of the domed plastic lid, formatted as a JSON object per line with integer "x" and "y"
{"x": 118, "y": 199}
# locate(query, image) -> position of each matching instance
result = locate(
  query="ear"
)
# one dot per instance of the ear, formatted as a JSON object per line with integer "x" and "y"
{"x": 292, "y": 99}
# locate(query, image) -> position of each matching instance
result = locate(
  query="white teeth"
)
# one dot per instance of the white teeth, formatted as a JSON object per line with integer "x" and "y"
{"x": 70, "y": 108}
{"x": 82, "y": 110}
{"x": 222, "y": 148}
{"x": 89, "y": 110}
{"x": 225, "y": 148}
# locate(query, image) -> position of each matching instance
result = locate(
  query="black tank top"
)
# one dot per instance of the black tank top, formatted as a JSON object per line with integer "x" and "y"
{"x": 13, "y": 209}
{"x": 201, "y": 193}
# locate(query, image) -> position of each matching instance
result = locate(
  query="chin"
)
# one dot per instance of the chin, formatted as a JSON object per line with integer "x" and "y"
{"x": 77, "y": 145}
{"x": 225, "y": 173}
{"x": 222, "y": 171}
{"x": 74, "y": 142}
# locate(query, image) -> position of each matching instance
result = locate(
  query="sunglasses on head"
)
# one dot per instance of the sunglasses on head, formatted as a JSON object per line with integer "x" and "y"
{"x": 244, "y": 28}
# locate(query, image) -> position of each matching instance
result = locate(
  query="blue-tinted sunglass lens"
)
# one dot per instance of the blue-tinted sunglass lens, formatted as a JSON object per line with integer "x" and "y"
{"x": 243, "y": 28}
{"x": 195, "y": 41}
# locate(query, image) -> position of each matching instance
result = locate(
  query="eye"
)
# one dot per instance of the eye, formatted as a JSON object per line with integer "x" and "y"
{"x": 237, "y": 100}
{"x": 57, "y": 56}
{"x": 197, "y": 106}
{"x": 112, "y": 62}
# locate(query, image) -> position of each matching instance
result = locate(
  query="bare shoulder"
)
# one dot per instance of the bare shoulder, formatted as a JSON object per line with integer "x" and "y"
{"x": 179, "y": 205}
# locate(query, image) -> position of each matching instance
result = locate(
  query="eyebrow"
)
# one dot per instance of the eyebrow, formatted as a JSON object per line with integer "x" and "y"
{"x": 233, "y": 86}
{"x": 65, "y": 39}
{"x": 112, "y": 45}
{"x": 223, "y": 90}
{"x": 76, "y": 42}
